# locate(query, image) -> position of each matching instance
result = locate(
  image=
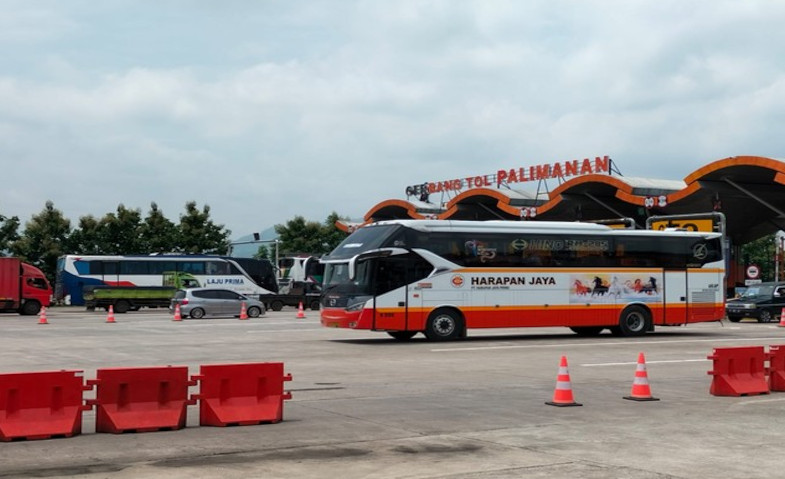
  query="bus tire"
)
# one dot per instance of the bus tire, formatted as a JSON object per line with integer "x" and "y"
{"x": 587, "y": 330}
{"x": 254, "y": 312}
{"x": 315, "y": 305}
{"x": 444, "y": 325}
{"x": 122, "y": 306}
{"x": 402, "y": 335}
{"x": 634, "y": 321}
{"x": 197, "y": 313}
{"x": 30, "y": 308}
{"x": 276, "y": 305}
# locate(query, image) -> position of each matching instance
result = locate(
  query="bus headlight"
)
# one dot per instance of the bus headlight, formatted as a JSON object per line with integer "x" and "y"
{"x": 355, "y": 307}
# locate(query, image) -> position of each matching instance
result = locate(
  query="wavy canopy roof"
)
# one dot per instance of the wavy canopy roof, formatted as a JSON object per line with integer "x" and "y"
{"x": 749, "y": 190}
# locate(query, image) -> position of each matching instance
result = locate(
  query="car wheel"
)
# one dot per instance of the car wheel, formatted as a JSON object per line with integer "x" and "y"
{"x": 444, "y": 325}
{"x": 254, "y": 312}
{"x": 765, "y": 316}
{"x": 402, "y": 335}
{"x": 197, "y": 313}
{"x": 587, "y": 330}
{"x": 634, "y": 321}
{"x": 734, "y": 319}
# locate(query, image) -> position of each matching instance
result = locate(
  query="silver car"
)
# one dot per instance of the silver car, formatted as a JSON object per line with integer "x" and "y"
{"x": 200, "y": 302}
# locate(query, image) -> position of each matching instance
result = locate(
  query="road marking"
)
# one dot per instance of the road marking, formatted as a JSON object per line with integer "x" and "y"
{"x": 614, "y": 343}
{"x": 591, "y": 365}
{"x": 744, "y": 403}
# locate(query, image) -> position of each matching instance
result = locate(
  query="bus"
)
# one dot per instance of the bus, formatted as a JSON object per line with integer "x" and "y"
{"x": 248, "y": 276}
{"x": 305, "y": 268}
{"x": 441, "y": 278}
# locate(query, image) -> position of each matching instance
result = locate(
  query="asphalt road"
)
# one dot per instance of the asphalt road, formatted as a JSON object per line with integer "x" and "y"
{"x": 366, "y": 406}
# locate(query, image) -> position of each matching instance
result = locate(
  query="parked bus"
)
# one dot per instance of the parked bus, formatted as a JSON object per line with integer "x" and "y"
{"x": 441, "y": 278}
{"x": 248, "y": 276}
{"x": 305, "y": 268}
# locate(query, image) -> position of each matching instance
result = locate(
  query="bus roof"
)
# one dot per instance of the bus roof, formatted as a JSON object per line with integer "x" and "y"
{"x": 553, "y": 227}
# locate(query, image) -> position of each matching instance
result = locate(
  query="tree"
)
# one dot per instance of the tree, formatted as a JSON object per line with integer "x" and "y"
{"x": 86, "y": 239}
{"x": 8, "y": 232}
{"x": 157, "y": 233}
{"x": 301, "y": 236}
{"x": 262, "y": 253}
{"x": 332, "y": 236}
{"x": 761, "y": 252}
{"x": 120, "y": 233}
{"x": 45, "y": 238}
{"x": 198, "y": 234}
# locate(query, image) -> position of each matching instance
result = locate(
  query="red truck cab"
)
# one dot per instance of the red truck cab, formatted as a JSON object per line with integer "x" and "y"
{"x": 23, "y": 287}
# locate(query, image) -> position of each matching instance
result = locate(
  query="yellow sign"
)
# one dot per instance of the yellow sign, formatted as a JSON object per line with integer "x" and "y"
{"x": 689, "y": 225}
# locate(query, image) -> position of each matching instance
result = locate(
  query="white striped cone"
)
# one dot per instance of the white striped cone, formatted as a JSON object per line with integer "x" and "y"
{"x": 640, "y": 386}
{"x": 562, "y": 395}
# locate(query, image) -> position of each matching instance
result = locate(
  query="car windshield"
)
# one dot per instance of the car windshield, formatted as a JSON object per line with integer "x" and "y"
{"x": 756, "y": 291}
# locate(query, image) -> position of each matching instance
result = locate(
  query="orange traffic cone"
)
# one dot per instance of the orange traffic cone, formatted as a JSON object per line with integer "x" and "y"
{"x": 177, "y": 316}
{"x": 42, "y": 316}
{"x": 243, "y": 312}
{"x": 110, "y": 315}
{"x": 562, "y": 396}
{"x": 782, "y": 319}
{"x": 300, "y": 312}
{"x": 640, "y": 386}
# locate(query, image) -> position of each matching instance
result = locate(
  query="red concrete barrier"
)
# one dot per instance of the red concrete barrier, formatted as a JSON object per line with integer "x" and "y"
{"x": 41, "y": 405}
{"x": 241, "y": 394}
{"x": 776, "y": 369}
{"x": 141, "y": 399}
{"x": 738, "y": 371}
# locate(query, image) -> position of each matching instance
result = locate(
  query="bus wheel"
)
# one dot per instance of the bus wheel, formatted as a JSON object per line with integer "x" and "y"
{"x": 444, "y": 325}
{"x": 587, "y": 330}
{"x": 122, "y": 306}
{"x": 634, "y": 321}
{"x": 402, "y": 335}
{"x": 30, "y": 308}
{"x": 276, "y": 305}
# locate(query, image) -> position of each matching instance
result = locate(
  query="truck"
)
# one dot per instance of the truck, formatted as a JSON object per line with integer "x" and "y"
{"x": 24, "y": 288}
{"x": 294, "y": 293}
{"x": 131, "y": 298}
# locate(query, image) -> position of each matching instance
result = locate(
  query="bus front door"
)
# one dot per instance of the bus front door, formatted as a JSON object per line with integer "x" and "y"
{"x": 391, "y": 293}
{"x": 675, "y": 298}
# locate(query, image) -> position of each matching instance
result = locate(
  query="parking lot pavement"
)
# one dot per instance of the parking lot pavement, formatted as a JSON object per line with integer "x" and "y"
{"x": 365, "y": 405}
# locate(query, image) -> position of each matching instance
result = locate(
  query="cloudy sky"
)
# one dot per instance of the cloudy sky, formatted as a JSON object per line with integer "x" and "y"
{"x": 264, "y": 110}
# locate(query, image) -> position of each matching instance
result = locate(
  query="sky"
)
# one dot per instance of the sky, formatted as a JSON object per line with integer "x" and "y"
{"x": 267, "y": 110}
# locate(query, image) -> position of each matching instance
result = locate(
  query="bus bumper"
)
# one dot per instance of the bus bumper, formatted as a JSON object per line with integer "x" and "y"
{"x": 340, "y": 318}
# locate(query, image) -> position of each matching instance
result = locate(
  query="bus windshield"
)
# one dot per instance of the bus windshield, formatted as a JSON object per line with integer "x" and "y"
{"x": 365, "y": 239}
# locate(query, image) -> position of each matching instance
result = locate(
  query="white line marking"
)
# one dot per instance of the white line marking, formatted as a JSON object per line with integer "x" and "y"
{"x": 590, "y": 343}
{"x": 743, "y": 403}
{"x": 591, "y": 365}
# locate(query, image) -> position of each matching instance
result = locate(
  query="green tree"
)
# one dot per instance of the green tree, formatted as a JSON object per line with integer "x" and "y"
{"x": 158, "y": 234}
{"x": 198, "y": 233}
{"x": 9, "y": 228}
{"x": 301, "y": 236}
{"x": 45, "y": 238}
{"x": 87, "y": 238}
{"x": 262, "y": 253}
{"x": 761, "y": 252}
{"x": 120, "y": 233}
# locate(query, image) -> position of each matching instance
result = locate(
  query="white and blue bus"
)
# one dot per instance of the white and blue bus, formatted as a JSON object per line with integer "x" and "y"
{"x": 248, "y": 276}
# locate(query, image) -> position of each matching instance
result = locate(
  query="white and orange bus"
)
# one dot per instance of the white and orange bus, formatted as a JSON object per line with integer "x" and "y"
{"x": 441, "y": 278}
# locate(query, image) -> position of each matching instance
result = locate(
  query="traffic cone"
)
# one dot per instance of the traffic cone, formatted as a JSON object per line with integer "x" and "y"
{"x": 782, "y": 319}
{"x": 562, "y": 395}
{"x": 243, "y": 313}
{"x": 640, "y": 386}
{"x": 300, "y": 312}
{"x": 177, "y": 316}
{"x": 42, "y": 316}
{"x": 110, "y": 315}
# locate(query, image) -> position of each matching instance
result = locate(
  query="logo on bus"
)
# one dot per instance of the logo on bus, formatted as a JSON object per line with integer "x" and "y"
{"x": 457, "y": 281}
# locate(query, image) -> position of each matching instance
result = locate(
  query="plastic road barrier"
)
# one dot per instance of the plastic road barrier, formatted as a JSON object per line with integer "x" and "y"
{"x": 141, "y": 399}
{"x": 776, "y": 369}
{"x": 241, "y": 394}
{"x": 41, "y": 405}
{"x": 738, "y": 371}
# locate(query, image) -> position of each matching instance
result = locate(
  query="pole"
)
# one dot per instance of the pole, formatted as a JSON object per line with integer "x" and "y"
{"x": 276, "y": 259}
